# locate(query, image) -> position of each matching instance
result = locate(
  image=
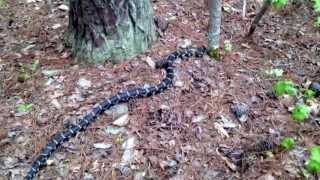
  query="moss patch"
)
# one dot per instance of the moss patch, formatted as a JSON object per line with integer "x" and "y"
{"x": 214, "y": 53}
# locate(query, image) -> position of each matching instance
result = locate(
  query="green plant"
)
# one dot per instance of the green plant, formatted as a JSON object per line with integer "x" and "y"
{"x": 316, "y": 7}
{"x": 23, "y": 74}
{"x": 24, "y": 107}
{"x": 313, "y": 164}
{"x": 317, "y": 22}
{"x": 214, "y": 53}
{"x": 284, "y": 87}
{"x": 26, "y": 72}
{"x": 279, "y": 3}
{"x": 308, "y": 94}
{"x": 287, "y": 143}
{"x": 227, "y": 46}
{"x": 301, "y": 112}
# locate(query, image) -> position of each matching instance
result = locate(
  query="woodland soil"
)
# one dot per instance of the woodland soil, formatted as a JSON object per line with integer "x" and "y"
{"x": 163, "y": 124}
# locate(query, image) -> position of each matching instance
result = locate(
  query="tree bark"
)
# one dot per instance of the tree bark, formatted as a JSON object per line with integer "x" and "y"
{"x": 214, "y": 29}
{"x": 101, "y": 30}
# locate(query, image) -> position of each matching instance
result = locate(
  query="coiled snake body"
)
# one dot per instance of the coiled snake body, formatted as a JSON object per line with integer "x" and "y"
{"x": 64, "y": 136}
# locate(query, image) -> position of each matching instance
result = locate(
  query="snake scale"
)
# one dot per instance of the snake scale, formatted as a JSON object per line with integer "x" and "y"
{"x": 58, "y": 139}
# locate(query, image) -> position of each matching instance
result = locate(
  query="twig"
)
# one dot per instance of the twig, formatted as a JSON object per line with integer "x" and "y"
{"x": 263, "y": 10}
{"x": 244, "y": 7}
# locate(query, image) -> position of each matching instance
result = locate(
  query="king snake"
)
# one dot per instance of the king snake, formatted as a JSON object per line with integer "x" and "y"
{"x": 122, "y": 97}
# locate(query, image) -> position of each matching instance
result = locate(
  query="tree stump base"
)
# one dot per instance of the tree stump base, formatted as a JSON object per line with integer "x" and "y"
{"x": 110, "y": 30}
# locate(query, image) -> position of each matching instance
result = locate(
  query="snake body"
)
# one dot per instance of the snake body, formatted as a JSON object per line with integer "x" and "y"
{"x": 121, "y": 97}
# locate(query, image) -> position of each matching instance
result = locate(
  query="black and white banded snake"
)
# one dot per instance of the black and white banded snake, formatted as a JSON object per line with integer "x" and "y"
{"x": 61, "y": 137}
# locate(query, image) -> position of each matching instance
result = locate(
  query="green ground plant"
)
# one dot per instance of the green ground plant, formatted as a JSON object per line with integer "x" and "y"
{"x": 23, "y": 74}
{"x": 24, "y": 107}
{"x": 313, "y": 164}
{"x": 309, "y": 94}
{"x": 26, "y": 72}
{"x": 279, "y": 3}
{"x": 283, "y": 87}
{"x": 300, "y": 112}
{"x": 214, "y": 53}
{"x": 316, "y": 8}
{"x": 287, "y": 143}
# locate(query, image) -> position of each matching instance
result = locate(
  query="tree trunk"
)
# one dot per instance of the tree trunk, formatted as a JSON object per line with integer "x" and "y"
{"x": 214, "y": 30}
{"x": 101, "y": 30}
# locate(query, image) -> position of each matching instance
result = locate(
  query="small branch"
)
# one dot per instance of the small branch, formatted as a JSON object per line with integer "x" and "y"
{"x": 263, "y": 10}
{"x": 244, "y": 7}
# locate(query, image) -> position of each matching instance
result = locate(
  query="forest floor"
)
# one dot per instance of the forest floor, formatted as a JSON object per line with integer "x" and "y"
{"x": 188, "y": 132}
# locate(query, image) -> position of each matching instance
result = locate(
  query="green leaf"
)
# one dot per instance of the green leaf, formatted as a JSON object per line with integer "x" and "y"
{"x": 317, "y": 22}
{"x": 214, "y": 53}
{"x": 308, "y": 94}
{"x": 24, "y": 107}
{"x": 287, "y": 143}
{"x": 284, "y": 87}
{"x": 300, "y": 112}
{"x": 313, "y": 164}
{"x": 316, "y": 6}
{"x": 279, "y": 3}
{"x": 227, "y": 46}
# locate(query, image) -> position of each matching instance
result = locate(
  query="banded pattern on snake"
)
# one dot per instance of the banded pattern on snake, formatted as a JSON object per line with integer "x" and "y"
{"x": 59, "y": 138}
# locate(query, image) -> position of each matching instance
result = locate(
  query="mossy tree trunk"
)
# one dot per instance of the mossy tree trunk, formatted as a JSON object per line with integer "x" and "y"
{"x": 101, "y": 30}
{"x": 214, "y": 29}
